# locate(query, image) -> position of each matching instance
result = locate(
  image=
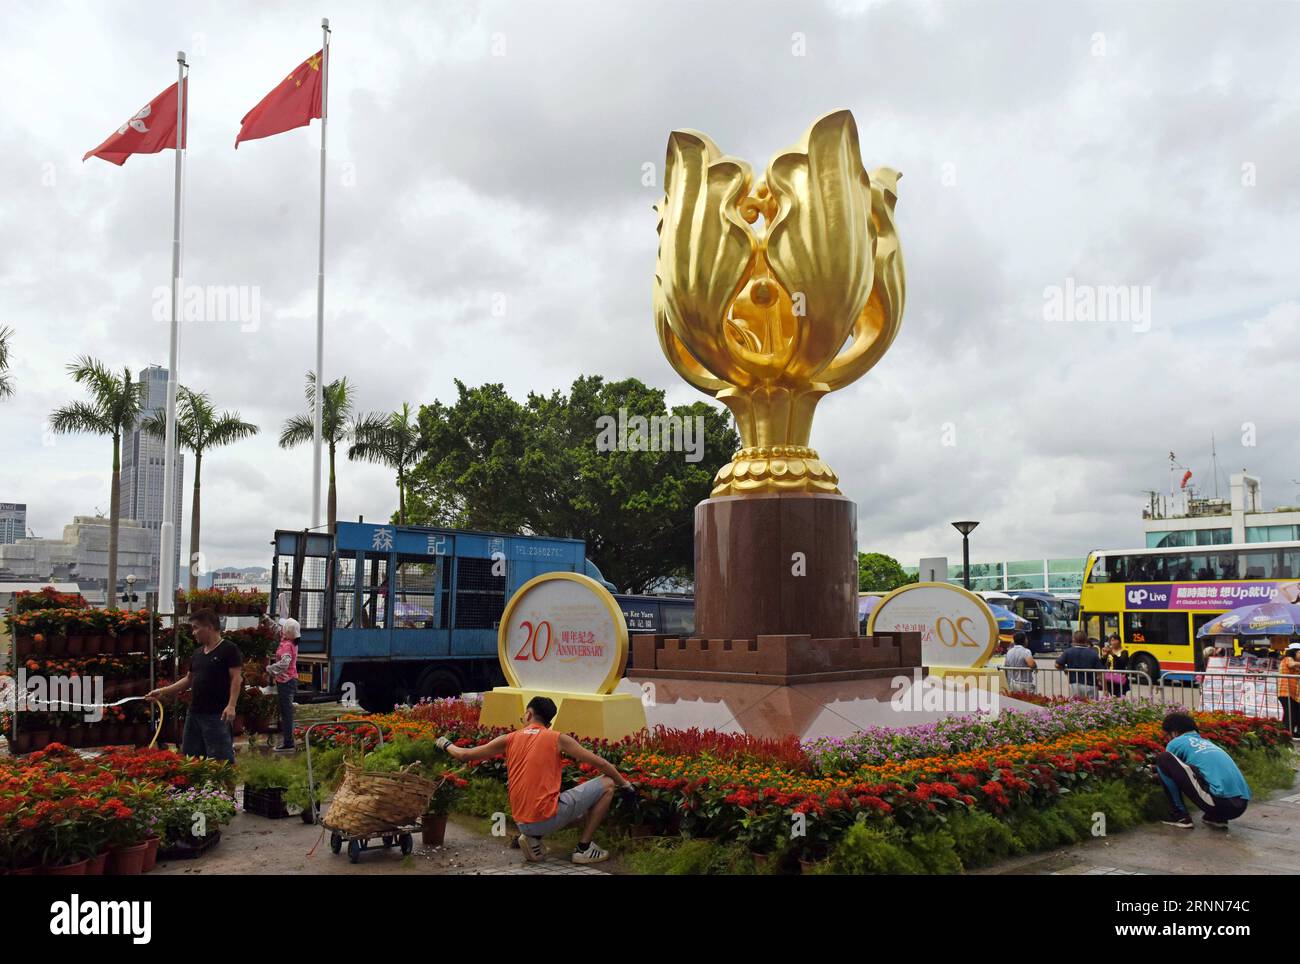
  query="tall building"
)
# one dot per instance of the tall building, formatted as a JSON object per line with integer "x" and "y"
{"x": 13, "y": 522}
{"x": 1192, "y": 521}
{"x": 142, "y": 476}
{"x": 81, "y": 556}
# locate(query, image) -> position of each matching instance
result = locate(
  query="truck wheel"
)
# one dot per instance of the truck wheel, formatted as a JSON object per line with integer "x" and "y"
{"x": 376, "y": 697}
{"x": 438, "y": 684}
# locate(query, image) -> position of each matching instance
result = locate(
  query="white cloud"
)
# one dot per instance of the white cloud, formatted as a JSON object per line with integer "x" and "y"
{"x": 457, "y": 175}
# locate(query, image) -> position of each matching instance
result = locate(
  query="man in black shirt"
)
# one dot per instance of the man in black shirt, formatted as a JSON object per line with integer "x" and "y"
{"x": 216, "y": 677}
{"x": 1081, "y": 655}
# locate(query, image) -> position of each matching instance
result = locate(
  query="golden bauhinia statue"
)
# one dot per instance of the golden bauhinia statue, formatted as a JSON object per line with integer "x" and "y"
{"x": 769, "y": 320}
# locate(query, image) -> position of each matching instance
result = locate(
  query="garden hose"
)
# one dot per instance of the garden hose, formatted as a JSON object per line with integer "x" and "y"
{"x": 63, "y": 704}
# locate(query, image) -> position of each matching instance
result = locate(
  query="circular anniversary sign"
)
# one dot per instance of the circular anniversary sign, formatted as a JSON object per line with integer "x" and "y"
{"x": 957, "y": 627}
{"x": 562, "y": 632}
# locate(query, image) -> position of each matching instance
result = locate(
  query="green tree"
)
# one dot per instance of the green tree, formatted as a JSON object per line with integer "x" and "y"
{"x": 198, "y": 428}
{"x": 6, "y": 380}
{"x": 336, "y": 428}
{"x": 878, "y": 572}
{"x": 498, "y": 464}
{"x": 392, "y": 439}
{"x": 115, "y": 406}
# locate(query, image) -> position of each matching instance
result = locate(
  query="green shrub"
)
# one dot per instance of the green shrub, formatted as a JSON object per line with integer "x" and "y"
{"x": 695, "y": 857}
{"x": 937, "y": 851}
{"x": 1041, "y": 829}
{"x": 865, "y": 850}
{"x": 981, "y": 838}
{"x": 483, "y": 797}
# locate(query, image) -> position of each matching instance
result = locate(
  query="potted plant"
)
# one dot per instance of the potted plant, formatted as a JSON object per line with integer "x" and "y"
{"x": 433, "y": 825}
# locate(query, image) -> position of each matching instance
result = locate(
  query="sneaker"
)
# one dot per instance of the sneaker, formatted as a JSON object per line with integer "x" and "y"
{"x": 285, "y": 749}
{"x": 532, "y": 847}
{"x": 592, "y": 855}
{"x": 1216, "y": 824}
{"x": 1180, "y": 820}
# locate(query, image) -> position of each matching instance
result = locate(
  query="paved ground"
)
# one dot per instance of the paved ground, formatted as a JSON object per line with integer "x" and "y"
{"x": 255, "y": 845}
{"x": 1266, "y": 840}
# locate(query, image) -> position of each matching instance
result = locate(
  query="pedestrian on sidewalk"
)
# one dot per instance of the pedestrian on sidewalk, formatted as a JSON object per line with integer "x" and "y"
{"x": 284, "y": 673}
{"x": 1020, "y": 666}
{"x": 1288, "y": 688}
{"x": 1196, "y": 768}
{"x": 216, "y": 678}
{"x": 1081, "y": 656}
{"x": 533, "y": 769}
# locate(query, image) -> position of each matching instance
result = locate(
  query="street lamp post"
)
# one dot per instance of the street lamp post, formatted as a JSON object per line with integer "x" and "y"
{"x": 965, "y": 528}
{"x": 129, "y": 596}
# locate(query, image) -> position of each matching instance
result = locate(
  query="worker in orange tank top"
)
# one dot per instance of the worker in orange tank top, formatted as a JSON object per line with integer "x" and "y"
{"x": 533, "y": 770}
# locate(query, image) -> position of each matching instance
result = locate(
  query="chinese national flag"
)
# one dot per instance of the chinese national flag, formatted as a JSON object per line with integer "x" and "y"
{"x": 150, "y": 129}
{"x": 293, "y": 103}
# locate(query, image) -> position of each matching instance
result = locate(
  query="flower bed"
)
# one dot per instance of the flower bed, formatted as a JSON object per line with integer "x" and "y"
{"x": 728, "y": 787}
{"x": 66, "y": 813}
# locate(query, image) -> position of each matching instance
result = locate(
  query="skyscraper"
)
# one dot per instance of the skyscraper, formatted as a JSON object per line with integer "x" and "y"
{"x": 142, "y": 475}
{"x": 13, "y": 522}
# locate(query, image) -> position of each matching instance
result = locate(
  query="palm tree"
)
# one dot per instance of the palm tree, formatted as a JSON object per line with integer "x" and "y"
{"x": 114, "y": 409}
{"x": 392, "y": 439}
{"x": 336, "y": 411}
{"x": 198, "y": 428}
{"x": 6, "y": 380}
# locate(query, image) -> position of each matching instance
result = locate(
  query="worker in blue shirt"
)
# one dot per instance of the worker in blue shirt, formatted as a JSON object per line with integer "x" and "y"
{"x": 1193, "y": 767}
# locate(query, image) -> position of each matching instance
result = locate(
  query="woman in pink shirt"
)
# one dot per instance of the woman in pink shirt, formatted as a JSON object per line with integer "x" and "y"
{"x": 284, "y": 672}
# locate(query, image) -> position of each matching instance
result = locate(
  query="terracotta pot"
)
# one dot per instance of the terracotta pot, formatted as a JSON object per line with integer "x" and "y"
{"x": 23, "y": 744}
{"x": 95, "y": 866}
{"x": 141, "y": 734}
{"x": 760, "y": 860}
{"x": 807, "y": 866}
{"x": 76, "y": 736}
{"x": 25, "y": 646}
{"x": 59, "y": 734}
{"x": 127, "y": 861}
{"x": 40, "y": 739}
{"x": 40, "y": 644}
{"x": 110, "y": 734}
{"x": 239, "y": 725}
{"x": 57, "y": 645}
{"x": 150, "y": 854}
{"x": 433, "y": 829}
{"x": 66, "y": 870}
{"x": 75, "y": 646}
{"x": 93, "y": 645}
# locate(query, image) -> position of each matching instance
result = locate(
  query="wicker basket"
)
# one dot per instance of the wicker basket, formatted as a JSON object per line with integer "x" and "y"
{"x": 370, "y": 803}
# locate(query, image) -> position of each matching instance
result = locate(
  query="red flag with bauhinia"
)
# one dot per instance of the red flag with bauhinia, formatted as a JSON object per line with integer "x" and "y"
{"x": 151, "y": 129}
{"x": 293, "y": 103}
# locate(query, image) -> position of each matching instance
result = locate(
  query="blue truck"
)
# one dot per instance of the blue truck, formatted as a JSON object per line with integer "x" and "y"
{"x": 395, "y": 613}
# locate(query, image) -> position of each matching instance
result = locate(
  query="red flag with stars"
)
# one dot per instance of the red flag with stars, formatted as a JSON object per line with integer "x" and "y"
{"x": 293, "y": 103}
{"x": 151, "y": 129}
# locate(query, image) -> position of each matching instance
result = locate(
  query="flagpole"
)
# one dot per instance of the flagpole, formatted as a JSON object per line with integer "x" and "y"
{"x": 167, "y": 531}
{"x": 320, "y": 284}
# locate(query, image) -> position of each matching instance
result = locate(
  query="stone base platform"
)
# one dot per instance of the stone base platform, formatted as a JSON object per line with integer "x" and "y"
{"x": 777, "y": 660}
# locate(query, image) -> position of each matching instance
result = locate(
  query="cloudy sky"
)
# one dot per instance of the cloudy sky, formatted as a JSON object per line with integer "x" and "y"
{"x": 488, "y": 221}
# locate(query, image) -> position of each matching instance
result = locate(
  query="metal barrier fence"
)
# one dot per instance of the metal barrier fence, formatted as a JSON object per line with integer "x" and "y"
{"x": 1252, "y": 694}
{"x": 1056, "y": 683}
{"x": 1248, "y": 693}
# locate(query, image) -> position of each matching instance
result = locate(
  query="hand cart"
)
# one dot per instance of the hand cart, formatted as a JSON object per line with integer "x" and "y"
{"x": 399, "y": 836}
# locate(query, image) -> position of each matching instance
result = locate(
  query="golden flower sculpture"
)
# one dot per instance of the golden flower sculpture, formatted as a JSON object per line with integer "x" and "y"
{"x": 768, "y": 320}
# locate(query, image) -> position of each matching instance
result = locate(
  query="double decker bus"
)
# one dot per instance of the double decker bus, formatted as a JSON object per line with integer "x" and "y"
{"x": 1157, "y": 599}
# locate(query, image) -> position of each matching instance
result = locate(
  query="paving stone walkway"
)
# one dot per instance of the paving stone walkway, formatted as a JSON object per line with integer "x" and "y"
{"x": 1265, "y": 840}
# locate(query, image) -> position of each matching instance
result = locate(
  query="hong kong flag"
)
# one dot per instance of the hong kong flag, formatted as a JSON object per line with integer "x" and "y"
{"x": 150, "y": 129}
{"x": 292, "y": 103}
